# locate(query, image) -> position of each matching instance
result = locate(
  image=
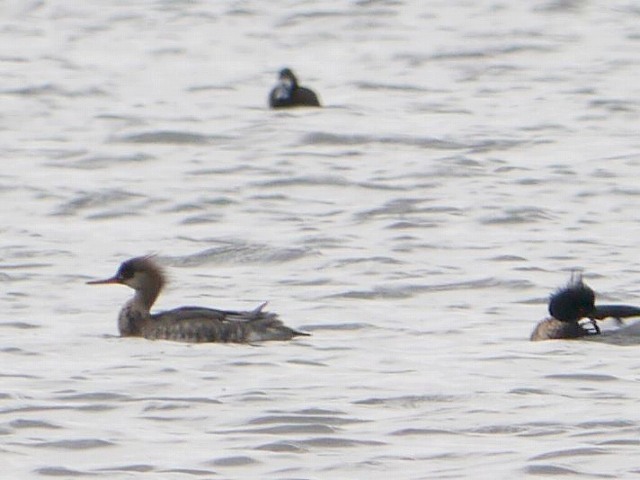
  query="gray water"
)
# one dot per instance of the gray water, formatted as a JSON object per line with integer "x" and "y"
{"x": 470, "y": 155}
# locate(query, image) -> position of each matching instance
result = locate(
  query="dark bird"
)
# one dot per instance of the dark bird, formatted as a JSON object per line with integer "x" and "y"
{"x": 287, "y": 93}
{"x": 187, "y": 324}
{"x": 569, "y": 305}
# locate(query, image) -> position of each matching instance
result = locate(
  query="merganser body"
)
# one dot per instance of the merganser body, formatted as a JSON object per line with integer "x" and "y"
{"x": 187, "y": 324}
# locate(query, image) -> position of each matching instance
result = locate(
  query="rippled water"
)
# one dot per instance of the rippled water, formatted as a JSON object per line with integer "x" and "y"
{"x": 469, "y": 156}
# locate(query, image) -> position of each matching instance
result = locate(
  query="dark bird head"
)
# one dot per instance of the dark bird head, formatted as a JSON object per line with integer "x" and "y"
{"x": 287, "y": 78}
{"x": 136, "y": 273}
{"x": 573, "y": 302}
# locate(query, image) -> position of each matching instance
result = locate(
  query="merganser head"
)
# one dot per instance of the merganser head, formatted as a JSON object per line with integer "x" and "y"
{"x": 573, "y": 302}
{"x": 137, "y": 273}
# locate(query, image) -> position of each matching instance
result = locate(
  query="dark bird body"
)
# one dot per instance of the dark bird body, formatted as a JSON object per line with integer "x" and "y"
{"x": 287, "y": 93}
{"x": 187, "y": 324}
{"x": 573, "y": 303}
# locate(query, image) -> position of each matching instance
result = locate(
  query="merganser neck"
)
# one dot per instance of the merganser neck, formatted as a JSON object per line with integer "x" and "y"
{"x": 147, "y": 292}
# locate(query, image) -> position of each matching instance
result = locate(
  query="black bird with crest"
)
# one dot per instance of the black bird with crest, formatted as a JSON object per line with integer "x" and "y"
{"x": 573, "y": 303}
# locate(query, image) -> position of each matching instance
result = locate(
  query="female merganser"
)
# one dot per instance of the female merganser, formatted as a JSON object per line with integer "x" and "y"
{"x": 287, "y": 93}
{"x": 186, "y": 324}
{"x": 571, "y": 304}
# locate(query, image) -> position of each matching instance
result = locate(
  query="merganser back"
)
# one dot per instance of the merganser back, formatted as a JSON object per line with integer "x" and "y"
{"x": 187, "y": 324}
{"x": 571, "y": 304}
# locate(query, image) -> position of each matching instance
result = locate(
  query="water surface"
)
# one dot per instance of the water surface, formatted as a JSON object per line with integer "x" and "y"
{"x": 470, "y": 155}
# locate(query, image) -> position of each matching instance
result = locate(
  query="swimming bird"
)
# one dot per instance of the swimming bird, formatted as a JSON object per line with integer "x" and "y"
{"x": 573, "y": 303}
{"x": 186, "y": 324}
{"x": 287, "y": 93}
